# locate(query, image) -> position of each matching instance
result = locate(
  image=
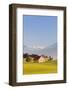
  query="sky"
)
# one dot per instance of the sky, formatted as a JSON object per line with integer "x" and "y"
{"x": 40, "y": 31}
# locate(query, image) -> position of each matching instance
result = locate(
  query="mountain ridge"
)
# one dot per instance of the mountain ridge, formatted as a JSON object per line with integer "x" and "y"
{"x": 49, "y": 51}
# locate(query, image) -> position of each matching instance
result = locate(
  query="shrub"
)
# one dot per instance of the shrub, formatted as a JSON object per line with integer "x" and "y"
{"x": 50, "y": 58}
{"x": 28, "y": 59}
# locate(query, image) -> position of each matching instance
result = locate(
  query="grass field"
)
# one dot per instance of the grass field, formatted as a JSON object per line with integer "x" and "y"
{"x": 40, "y": 68}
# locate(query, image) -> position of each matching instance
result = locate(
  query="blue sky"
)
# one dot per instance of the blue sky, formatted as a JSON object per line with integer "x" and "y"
{"x": 40, "y": 30}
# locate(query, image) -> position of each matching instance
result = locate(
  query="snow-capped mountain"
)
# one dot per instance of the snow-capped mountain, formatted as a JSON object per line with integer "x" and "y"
{"x": 49, "y": 51}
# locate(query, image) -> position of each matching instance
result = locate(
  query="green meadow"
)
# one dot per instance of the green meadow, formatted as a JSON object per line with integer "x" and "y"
{"x": 40, "y": 68}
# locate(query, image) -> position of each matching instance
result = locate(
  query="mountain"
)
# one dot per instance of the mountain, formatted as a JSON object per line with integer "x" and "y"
{"x": 48, "y": 51}
{"x": 29, "y": 50}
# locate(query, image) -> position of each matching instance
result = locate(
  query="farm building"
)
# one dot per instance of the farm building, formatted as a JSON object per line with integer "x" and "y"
{"x": 40, "y": 59}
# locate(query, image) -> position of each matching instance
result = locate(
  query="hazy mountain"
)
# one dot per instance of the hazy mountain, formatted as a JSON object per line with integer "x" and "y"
{"x": 49, "y": 51}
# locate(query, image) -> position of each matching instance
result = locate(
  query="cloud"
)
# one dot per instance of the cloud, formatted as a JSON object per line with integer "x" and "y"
{"x": 38, "y": 47}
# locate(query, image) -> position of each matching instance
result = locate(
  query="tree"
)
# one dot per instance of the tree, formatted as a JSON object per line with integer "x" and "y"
{"x": 28, "y": 59}
{"x": 25, "y": 55}
{"x": 46, "y": 56}
{"x": 50, "y": 58}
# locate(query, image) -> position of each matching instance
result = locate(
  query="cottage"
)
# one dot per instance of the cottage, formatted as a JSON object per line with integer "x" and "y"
{"x": 43, "y": 59}
{"x": 40, "y": 59}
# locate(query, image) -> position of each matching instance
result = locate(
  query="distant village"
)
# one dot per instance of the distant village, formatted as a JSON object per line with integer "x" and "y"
{"x": 36, "y": 58}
